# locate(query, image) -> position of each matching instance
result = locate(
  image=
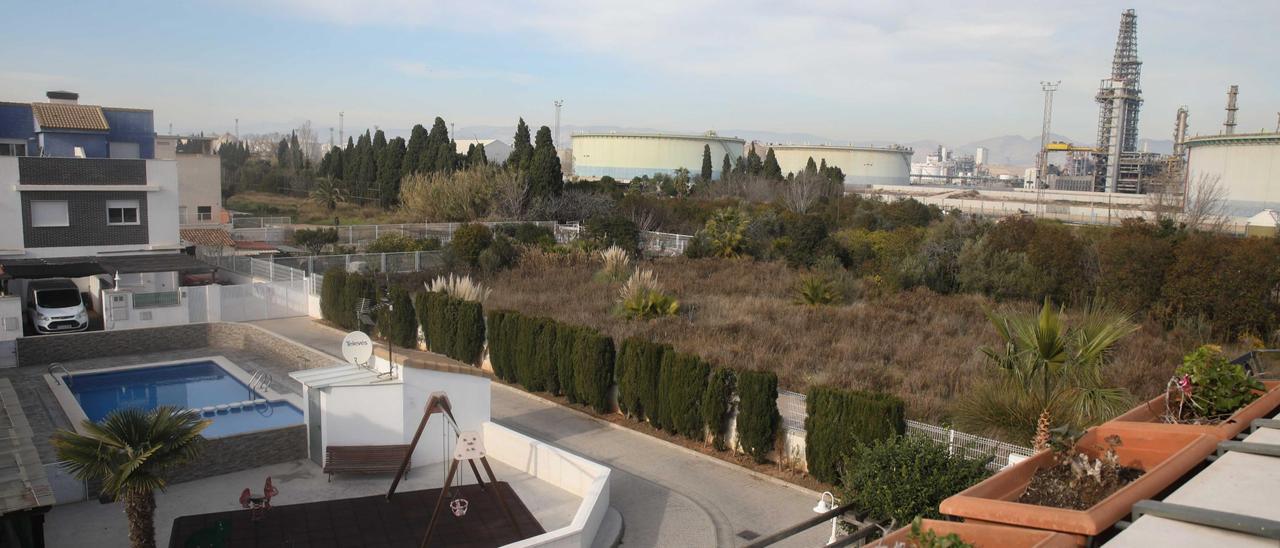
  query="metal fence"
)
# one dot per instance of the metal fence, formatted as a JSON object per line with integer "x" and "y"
{"x": 357, "y": 235}
{"x": 256, "y": 268}
{"x": 663, "y": 243}
{"x": 791, "y": 405}
{"x": 260, "y": 222}
{"x": 412, "y": 261}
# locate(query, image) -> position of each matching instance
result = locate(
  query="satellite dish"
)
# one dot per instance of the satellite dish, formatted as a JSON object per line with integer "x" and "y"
{"x": 357, "y": 348}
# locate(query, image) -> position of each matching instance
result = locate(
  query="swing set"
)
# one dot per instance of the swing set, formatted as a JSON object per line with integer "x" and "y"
{"x": 468, "y": 446}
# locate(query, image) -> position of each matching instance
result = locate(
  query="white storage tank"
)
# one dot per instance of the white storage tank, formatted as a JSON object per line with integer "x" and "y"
{"x": 625, "y": 156}
{"x": 861, "y": 165}
{"x": 1247, "y": 166}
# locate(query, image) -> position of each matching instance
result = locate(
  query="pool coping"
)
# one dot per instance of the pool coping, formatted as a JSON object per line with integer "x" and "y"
{"x": 67, "y": 400}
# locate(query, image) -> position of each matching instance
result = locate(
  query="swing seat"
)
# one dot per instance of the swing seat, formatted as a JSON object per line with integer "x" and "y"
{"x": 363, "y": 459}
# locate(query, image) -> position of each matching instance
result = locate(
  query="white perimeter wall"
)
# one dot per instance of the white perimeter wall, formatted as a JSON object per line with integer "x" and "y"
{"x": 10, "y": 207}
{"x": 574, "y": 474}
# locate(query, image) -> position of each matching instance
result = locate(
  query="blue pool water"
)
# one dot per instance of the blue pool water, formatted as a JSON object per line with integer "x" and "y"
{"x": 188, "y": 385}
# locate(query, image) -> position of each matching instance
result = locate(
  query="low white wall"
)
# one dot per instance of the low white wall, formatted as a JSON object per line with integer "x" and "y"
{"x": 159, "y": 316}
{"x": 10, "y": 318}
{"x": 577, "y": 475}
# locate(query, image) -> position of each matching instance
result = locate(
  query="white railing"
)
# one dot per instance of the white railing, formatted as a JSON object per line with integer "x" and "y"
{"x": 791, "y": 405}
{"x": 260, "y": 222}
{"x": 663, "y": 243}
{"x": 256, "y": 268}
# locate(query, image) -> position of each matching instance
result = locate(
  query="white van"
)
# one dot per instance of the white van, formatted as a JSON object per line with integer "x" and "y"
{"x": 55, "y": 306}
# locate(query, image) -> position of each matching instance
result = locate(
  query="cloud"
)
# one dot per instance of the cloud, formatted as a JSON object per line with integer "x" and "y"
{"x": 422, "y": 70}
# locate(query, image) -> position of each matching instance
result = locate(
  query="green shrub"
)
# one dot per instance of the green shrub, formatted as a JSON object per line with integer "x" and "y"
{"x": 605, "y": 231}
{"x": 903, "y": 477}
{"x": 642, "y": 298}
{"x": 355, "y": 288}
{"x": 502, "y": 332}
{"x": 815, "y": 290}
{"x": 396, "y": 242}
{"x": 639, "y": 363}
{"x": 335, "y": 280}
{"x": 593, "y": 369}
{"x": 469, "y": 240}
{"x": 837, "y": 420}
{"x": 399, "y": 324}
{"x": 715, "y": 405}
{"x": 545, "y": 357}
{"x": 530, "y": 234}
{"x": 527, "y": 339}
{"x": 468, "y": 340}
{"x": 315, "y": 239}
{"x": 758, "y": 417}
{"x": 681, "y": 385}
{"x": 498, "y": 256}
{"x": 566, "y": 356}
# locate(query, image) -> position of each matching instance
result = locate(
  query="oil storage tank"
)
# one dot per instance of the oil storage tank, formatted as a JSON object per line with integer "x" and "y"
{"x": 1245, "y": 165}
{"x": 861, "y": 165}
{"x": 624, "y": 156}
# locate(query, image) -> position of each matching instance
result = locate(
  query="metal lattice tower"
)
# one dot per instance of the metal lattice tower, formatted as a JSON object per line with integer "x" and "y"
{"x": 1180, "y": 130}
{"x": 1119, "y": 98}
{"x": 1042, "y": 161}
{"x": 1230, "y": 126}
{"x": 559, "y": 103}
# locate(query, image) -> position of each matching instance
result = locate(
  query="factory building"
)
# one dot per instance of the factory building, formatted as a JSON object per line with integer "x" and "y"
{"x": 861, "y": 165}
{"x": 625, "y": 156}
{"x": 1247, "y": 166}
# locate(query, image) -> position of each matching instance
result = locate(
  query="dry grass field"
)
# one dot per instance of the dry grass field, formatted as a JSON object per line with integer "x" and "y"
{"x": 917, "y": 344}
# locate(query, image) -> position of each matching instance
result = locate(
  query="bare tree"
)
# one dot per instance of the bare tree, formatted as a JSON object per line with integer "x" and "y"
{"x": 644, "y": 218}
{"x": 1205, "y": 205}
{"x": 510, "y": 194}
{"x": 804, "y": 191}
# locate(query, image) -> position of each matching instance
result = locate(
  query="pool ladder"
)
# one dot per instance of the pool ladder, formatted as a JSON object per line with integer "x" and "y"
{"x": 66, "y": 375}
{"x": 261, "y": 379}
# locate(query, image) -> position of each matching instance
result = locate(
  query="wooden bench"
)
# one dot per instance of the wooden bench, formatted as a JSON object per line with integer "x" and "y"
{"x": 363, "y": 459}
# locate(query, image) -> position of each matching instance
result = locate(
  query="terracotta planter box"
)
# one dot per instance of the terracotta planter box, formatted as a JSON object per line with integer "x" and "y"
{"x": 1148, "y": 414}
{"x": 982, "y": 535}
{"x": 1164, "y": 456}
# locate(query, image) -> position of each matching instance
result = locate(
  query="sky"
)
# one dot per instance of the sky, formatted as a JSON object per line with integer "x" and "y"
{"x": 866, "y": 70}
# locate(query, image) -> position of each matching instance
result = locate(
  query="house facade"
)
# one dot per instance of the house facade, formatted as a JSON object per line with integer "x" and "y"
{"x": 199, "y": 178}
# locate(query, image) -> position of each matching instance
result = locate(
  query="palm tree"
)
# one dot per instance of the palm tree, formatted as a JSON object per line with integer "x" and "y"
{"x": 131, "y": 451}
{"x": 1049, "y": 373}
{"x": 328, "y": 193}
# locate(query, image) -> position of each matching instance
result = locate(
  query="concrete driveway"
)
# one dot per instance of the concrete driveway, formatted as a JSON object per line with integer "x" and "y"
{"x": 667, "y": 495}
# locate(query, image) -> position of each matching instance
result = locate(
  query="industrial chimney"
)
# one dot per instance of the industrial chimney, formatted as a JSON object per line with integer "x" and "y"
{"x": 1230, "y": 126}
{"x": 63, "y": 97}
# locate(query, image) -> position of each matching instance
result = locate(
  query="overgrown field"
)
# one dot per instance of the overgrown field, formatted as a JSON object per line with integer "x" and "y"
{"x": 305, "y": 211}
{"x": 916, "y": 344}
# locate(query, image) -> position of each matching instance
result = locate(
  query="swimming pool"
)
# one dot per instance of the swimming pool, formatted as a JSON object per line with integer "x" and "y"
{"x": 206, "y": 386}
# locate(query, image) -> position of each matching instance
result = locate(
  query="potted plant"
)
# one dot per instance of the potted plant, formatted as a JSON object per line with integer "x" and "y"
{"x": 931, "y": 533}
{"x": 1083, "y": 485}
{"x": 1207, "y": 395}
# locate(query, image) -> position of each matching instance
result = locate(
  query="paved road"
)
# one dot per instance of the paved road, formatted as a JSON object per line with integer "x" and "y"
{"x": 667, "y": 495}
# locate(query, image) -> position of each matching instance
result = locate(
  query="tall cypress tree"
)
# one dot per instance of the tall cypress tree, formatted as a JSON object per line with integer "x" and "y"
{"x": 706, "y": 163}
{"x": 754, "y": 165}
{"x": 334, "y": 164}
{"x": 521, "y": 148}
{"x": 726, "y": 167}
{"x": 810, "y": 168}
{"x": 432, "y": 157}
{"x": 771, "y": 168}
{"x": 413, "y": 151}
{"x": 545, "y": 177}
{"x": 476, "y": 155}
{"x": 350, "y": 163}
{"x": 389, "y": 172}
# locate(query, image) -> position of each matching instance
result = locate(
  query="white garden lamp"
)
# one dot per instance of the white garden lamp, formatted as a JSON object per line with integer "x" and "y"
{"x": 827, "y": 503}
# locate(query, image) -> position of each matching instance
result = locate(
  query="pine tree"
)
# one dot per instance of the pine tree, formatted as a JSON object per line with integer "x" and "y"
{"x": 413, "y": 151}
{"x": 706, "y": 163}
{"x": 771, "y": 168}
{"x": 545, "y": 177}
{"x": 389, "y": 172}
{"x": 726, "y": 167}
{"x": 811, "y": 168}
{"x": 521, "y": 148}
{"x": 754, "y": 166}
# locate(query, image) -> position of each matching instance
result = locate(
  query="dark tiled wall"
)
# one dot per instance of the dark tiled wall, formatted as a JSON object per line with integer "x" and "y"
{"x": 46, "y": 349}
{"x": 35, "y": 170}
{"x": 235, "y": 453}
{"x": 87, "y": 216}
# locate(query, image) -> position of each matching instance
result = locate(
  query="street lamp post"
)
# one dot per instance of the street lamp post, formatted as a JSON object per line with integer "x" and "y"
{"x": 826, "y": 503}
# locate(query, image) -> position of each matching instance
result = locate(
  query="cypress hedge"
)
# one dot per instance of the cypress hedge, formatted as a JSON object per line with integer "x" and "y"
{"x": 639, "y": 362}
{"x": 839, "y": 420}
{"x": 331, "y": 294}
{"x": 715, "y": 405}
{"x": 468, "y": 340}
{"x": 526, "y": 340}
{"x": 682, "y": 382}
{"x": 423, "y": 306}
{"x": 354, "y": 288}
{"x": 500, "y": 330}
{"x": 545, "y": 357}
{"x": 566, "y": 352}
{"x": 399, "y": 324}
{"x": 593, "y": 369}
{"x": 758, "y": 417}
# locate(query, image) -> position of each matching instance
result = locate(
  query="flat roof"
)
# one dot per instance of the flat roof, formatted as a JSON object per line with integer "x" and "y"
{"x": 23, "y": 483}
{"x": 692, "y": 136}
{"x": 1266, "y": 138}
{"x": 78, "y": 267}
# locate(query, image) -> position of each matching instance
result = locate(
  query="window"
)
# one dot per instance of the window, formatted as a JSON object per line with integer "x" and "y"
{"x": 122, "y": 212}
{"x": 49, "y": 213}
{"x": 13, "y": 149}
{"x": 204, "y": 213}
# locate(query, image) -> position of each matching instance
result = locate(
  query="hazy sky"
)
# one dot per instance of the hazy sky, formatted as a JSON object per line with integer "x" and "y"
{"x": 846, "y": 69}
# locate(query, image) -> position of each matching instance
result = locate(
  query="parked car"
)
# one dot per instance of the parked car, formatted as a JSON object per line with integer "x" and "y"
{"x": 55, "y": 306}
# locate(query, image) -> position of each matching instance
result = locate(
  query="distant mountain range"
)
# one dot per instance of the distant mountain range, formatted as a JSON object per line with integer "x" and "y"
{"x": 1010, "y": 150}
